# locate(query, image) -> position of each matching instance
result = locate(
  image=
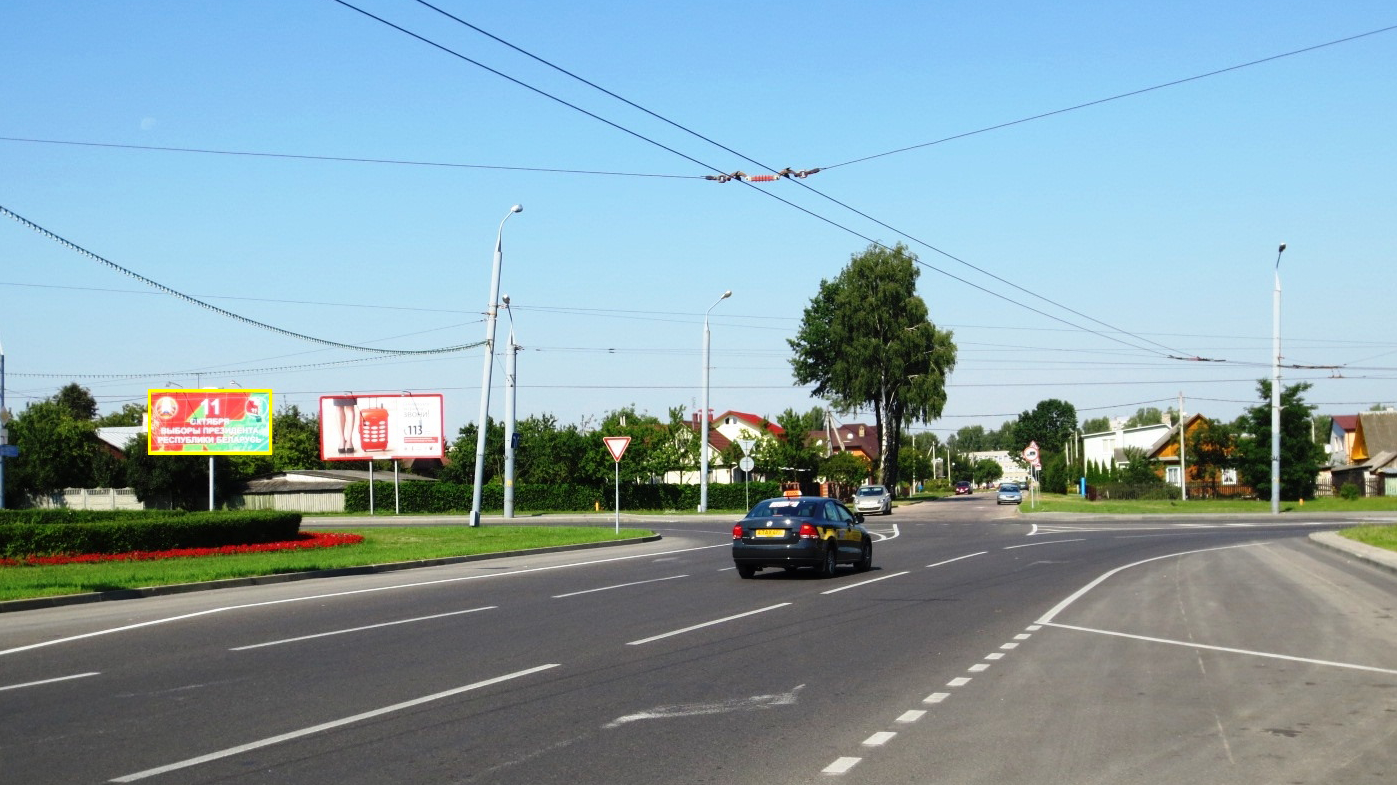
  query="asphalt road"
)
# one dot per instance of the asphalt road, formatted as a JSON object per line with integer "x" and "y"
{"x": 981, "y": 648}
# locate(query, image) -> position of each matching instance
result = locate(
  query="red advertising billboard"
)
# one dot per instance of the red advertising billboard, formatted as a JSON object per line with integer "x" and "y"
{"x": 381, "y": 427}
{"x": 209, "y": 422}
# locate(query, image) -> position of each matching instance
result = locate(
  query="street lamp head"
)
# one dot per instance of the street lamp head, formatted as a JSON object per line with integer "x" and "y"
{"x": 726, "y": 295}
{"x": 1282, "y": 248}
{"x": 518, "y": 208}
{"x": 505, "y": 299}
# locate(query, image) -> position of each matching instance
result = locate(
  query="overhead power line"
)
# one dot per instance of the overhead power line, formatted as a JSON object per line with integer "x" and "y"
{"x": 1117, "y": 97}
{"x": 220, "y": 311}
{"x": 787, "y": 202}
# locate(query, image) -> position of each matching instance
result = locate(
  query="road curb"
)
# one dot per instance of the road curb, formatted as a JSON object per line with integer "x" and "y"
{"x": 260, "y": 580}
{"x": 1377, "y": 557}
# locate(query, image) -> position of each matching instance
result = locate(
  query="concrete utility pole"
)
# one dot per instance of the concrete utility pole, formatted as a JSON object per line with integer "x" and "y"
{"x": 703, "y": 445}
{"x": 1276, "y": 389}
{"x": 492, "y": 310}
{"x": 511, "y": 386}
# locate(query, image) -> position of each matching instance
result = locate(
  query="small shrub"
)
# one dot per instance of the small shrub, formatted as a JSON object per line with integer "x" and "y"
{"x": 1349, "y": 491}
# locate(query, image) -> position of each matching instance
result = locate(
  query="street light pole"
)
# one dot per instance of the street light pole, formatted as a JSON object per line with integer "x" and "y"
{"x": 491, "y": 312}
{"x": 703, "y": 445}
{"x": 4, "y": 425}
{"x": 1276, "y": 389}
{"x": 511, "y": 386}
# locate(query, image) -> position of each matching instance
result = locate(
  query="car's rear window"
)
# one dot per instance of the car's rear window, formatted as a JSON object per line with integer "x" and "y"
{"x": 785, "y": 508}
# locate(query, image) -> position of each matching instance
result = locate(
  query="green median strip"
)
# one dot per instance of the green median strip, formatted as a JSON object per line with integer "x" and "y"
{"x": 381, "y": 545}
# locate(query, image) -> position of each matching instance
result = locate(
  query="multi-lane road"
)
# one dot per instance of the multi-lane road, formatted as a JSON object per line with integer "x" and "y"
{"x": 982, "y": 648}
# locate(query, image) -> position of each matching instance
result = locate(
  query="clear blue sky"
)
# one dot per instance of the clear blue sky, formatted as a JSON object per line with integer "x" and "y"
{"x": 1157, "y": 214}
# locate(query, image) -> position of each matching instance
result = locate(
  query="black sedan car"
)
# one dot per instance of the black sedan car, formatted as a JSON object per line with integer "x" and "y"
{"x": 801, "y": 531}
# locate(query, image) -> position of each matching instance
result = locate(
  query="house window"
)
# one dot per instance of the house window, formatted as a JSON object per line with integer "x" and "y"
{"x": 1229, "y": 476}
{"x": 1171, "y": 475}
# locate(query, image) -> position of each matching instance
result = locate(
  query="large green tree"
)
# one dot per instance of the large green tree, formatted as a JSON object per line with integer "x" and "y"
{"x": 794, "y": 457}
{"x": 865, "y": 342}
{"x": 57, "y": 450}
{"x": 1051, "y": 423}
{"x": 1300, "y": 457}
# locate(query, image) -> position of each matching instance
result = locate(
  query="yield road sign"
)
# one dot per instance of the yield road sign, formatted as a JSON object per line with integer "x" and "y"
{"x": 617, "y": 445}
{"x": 746, "y": 445}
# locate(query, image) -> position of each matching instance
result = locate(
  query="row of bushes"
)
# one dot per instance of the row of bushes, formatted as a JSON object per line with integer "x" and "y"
{"x": 444, "y": 497}
{"x": 56, "y": 532}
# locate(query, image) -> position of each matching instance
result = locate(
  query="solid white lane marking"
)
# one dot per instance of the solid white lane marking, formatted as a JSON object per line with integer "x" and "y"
{"x": 361, "y": 629}
{"x": 1193, "y": 645}
{"x": 911, "y": 715}
{"x": 707, "y": 624}
{"x": 979, "y": 667}
{"x": 999, "y": 655}
{"x": 754, "y": 703}
{"x": 48, "y": 681}
{"x": 1046, "y": 542}
{"x": 864, "y": 583}
{"x": 958, "y": 558}
{"x": 350, "y": 593}
{"x": 959, "y": 681}
{"x": 1048, "y": 617}
{"x": 1033, "y": 531}
{"x": 879, "y": 739}
{"x": 936, "y": 697}
{"x": 297, "y": 734}
{"x": 841, "y": 766}
{"x": 619, "y": 586}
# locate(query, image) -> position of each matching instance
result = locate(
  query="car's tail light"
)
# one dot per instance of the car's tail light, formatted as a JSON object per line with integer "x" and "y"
{"x": 808, "y": 532}
{"x": 737, "y": 531}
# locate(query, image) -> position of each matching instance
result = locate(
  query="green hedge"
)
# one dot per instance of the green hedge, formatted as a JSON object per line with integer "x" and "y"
{"x": 106, "y": 532}
{"x": 443, "y": 497}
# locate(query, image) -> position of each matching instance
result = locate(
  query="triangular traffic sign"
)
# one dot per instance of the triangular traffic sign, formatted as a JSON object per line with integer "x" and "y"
{"x": 617, "y": 445}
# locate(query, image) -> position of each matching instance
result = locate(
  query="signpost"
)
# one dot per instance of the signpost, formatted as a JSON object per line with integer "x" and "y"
{"x": 746, "y": 465}
{"x": 617, "y": 445}
{"x": 1030, "y": 454}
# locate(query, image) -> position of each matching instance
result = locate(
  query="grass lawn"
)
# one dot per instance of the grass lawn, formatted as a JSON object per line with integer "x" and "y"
{"x": 1054, "y": 502}
{"x": 381, "y": 545}
{"x": 1377, "y": 536}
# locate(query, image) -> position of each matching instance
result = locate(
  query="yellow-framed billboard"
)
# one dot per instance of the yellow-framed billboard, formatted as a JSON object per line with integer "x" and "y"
{"x": 209, "y": 422}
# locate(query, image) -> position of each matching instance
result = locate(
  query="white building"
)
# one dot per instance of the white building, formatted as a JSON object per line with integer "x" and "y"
{"x": 1107, "y": 448}
{"x": 1013, "y": 470}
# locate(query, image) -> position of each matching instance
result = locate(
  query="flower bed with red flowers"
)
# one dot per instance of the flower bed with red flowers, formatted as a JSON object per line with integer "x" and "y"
{"x": 303, "y": 541}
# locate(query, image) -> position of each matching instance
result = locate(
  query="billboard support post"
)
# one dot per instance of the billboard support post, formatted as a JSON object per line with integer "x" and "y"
{"x": 210, "y": 483}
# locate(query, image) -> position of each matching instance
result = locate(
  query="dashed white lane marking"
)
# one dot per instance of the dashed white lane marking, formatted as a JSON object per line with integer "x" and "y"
{"x": 1033, "y": 628}
{"x": 879, "y": 739}
{"x": 999, "y": 655}
{"x": 979, "y": 667}
{"x": 348, "y": 593}
{"x": 864, "y": 583}
{"x": 48, "y": 681}
{"x": 959, "y": 681}
{"x": 936, "y": 697}
{"x": 911, "y": 715}
{"x": 841, "y": 766}
{"x": 360, "y": 629}
{"x": 1023, "y": 636}
{"x": 707, "y": 624}
{"x": 958, "y": 558}
{"x": 296, "y": 734}
{"x": 619, "y": 586}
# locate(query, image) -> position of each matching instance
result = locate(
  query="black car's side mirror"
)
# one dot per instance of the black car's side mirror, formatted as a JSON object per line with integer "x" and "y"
{"x": 858, "y": 517}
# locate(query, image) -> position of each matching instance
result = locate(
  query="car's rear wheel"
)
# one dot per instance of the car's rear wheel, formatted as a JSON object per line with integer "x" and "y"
{"x": 826, "y": 568}
{"x": 746, "y": 570}
{"x": 865, "y": 562}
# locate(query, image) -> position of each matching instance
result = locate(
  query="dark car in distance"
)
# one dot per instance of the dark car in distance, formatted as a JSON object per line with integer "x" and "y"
{"x": 963, "y": 488}
{"x": 801, "y": 531}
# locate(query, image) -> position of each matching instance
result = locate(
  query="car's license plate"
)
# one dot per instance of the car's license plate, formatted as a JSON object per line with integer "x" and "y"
{"x": 769, "y": 532}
